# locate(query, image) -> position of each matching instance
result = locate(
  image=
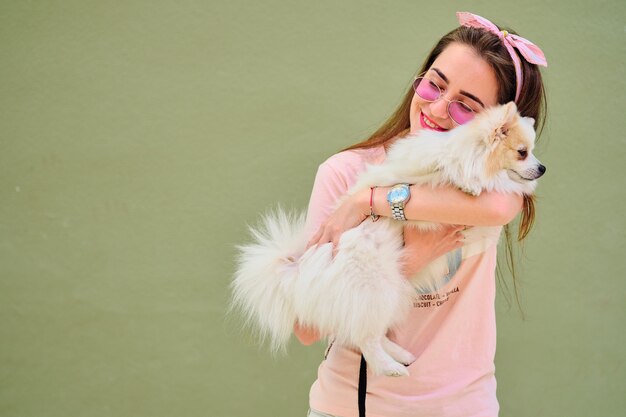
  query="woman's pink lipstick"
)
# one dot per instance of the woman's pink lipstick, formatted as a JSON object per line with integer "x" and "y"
{"x": 424, "y": 125}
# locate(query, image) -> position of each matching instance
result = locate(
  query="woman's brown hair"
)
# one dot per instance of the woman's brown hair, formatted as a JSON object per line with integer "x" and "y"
{"x": 531, "y": 103}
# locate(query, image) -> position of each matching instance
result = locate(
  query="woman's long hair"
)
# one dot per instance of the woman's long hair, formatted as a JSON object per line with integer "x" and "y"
{"x": 531, "y": 103}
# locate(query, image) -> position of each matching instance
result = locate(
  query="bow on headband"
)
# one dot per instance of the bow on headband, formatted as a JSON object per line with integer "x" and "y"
{"x": 529, "y": 50}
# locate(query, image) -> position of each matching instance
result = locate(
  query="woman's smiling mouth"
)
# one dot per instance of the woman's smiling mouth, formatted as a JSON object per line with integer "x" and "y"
{"x": 429, "y": 124}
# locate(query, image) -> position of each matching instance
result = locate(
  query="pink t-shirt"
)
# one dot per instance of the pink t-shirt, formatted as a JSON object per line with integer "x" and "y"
{"x": 452, "y": 332}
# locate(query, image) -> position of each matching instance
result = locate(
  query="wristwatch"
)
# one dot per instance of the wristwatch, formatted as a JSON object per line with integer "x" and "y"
{"x": 397, "y": 197}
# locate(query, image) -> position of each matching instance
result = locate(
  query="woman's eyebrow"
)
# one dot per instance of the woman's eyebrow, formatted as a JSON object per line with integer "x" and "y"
{"x": 472, "y": 96}
{"x": 465, "y": 93}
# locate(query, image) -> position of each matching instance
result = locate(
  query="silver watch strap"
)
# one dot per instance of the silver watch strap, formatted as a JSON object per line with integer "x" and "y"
{"x": 397, "y": 212}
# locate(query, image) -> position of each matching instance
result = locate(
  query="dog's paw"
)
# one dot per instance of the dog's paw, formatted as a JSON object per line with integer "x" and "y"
{"x": 395, "y": 369}
{"x": 405, "y": 358}
{"x": 397, "y": 352}
{"x": 475, "y": 191}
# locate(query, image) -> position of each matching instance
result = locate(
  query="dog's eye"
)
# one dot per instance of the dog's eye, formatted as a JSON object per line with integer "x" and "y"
{"x": 523, "y": 153}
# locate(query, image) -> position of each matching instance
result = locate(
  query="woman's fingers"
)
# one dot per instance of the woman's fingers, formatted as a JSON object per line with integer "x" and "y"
{"x": 325, "y": 234}
{"x": 335, "y": 243}
{"x": 348, "y": 215}
{"x": 315, "y": 238}
{"x": 457, "y": 231}
{"x": 424, "y": 246}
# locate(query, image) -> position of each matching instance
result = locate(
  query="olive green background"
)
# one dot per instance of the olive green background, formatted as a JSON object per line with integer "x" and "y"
{"x": 137, "y": 139}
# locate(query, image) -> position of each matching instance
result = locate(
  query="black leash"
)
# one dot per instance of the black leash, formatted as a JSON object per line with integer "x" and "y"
{"x": 362, "y": 386}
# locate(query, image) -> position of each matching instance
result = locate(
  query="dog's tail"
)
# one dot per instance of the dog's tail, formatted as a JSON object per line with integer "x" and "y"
{"x": 266, "y": 271}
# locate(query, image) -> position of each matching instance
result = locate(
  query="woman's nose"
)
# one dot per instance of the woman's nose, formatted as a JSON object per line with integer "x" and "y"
{"x": 439, "y": 108}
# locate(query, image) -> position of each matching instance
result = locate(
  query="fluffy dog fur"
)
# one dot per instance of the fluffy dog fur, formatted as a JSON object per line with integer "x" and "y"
{"x": 360, "y": 294}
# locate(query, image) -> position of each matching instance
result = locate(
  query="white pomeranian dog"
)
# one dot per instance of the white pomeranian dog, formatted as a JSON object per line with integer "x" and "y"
{"x": 361, "y": 293}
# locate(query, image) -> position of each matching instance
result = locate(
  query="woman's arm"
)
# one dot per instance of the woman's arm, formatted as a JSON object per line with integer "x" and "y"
{"x": 448, "y": 204}
{"x": 444, "y": 204}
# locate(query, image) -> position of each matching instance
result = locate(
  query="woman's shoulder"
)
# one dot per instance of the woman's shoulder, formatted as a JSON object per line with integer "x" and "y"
{"x": 345, "y": 166}
{"x": 355, "y": 158}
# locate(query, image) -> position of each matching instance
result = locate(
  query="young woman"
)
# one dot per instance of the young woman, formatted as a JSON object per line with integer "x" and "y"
{"x": 452, "y": 332}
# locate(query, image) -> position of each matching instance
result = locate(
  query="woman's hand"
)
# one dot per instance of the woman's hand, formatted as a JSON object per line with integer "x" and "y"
{"x": 423, "y": 247}
{"x": 306, "y": 335}
{"x": 351, "y": 213}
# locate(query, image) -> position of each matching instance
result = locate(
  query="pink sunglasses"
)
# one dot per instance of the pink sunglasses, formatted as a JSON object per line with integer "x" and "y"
{"x": 428, "y": 90}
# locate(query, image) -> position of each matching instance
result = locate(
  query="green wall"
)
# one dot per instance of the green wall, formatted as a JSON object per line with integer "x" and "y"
{"x": 137, "y": 139}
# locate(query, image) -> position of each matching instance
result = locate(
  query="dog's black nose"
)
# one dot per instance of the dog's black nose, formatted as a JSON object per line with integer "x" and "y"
{"x": 541, "y": 169}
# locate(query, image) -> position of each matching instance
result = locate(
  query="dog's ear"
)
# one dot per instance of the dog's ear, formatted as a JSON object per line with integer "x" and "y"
{"x": 506, "y": 115}
{"x": 509, "y": 116}
{"x": 510, "y": 111}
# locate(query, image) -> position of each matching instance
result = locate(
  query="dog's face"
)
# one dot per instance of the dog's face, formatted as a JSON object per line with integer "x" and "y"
{"x": 510, "y": 144}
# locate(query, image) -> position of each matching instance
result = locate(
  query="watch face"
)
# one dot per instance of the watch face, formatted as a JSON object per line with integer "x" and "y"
{"x": 398, "y": 194}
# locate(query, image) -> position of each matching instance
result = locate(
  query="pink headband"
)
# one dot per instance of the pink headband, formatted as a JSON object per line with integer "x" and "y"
{"x": 529, "y": 50}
